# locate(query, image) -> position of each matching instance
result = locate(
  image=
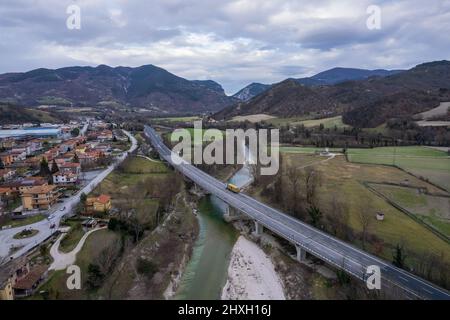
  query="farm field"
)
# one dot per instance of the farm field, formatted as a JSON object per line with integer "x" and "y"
{"x": 442, "y": 109}
{"x": 253, "y": 118}
{"x": 307, "y": 150}
{"x": 177, "y": 119}
{"x": 307, "y": 121}
{"x": 198, "y": 134}
{"x": 342, "y": 181}
{"x": 432, "y": 210}
{"x": 328, "y": 123}
{"x": 431, "y": 164}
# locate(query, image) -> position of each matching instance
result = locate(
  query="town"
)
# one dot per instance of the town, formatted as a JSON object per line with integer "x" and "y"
{"x": 42, "y": 170}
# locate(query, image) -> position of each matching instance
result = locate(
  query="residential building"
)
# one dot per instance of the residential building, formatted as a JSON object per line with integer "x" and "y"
{"x": 21, "y": 185}
{"x": 19, "y": 279}
{"x": 7, "y": 143}
{"x": 69, "y": 167}
{"x": 98, "y": 204}
{"x": 7, "y": 174}
{"x": 62, "y": 178}
{"x": 18, "y": 155}
{"x": 39, "y": 198}
{"x": 7, "y": 158}
{"x": 67, "y": 146}
{"x": 9, "y": 274}
{"x": 26, "y": 285}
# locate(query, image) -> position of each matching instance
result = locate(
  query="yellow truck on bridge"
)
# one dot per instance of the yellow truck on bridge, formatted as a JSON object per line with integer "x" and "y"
{"x": 233, "y": 188}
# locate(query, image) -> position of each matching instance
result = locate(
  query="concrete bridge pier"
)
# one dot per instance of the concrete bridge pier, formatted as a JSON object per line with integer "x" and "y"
{"x": 301, "y": 254}
{"x": 259, "y": 228}
{"x": 232, "y": 214}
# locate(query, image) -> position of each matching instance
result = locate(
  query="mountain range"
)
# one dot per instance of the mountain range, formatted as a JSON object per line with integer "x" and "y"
{"x": 366, "y": 102}
{"x": 364, "y": 98}
{"x": 148, "y": 87}
{"x": 328, "y": 77}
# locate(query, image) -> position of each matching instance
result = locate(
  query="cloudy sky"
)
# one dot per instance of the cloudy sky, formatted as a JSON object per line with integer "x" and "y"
{"x": 233, "y": 42}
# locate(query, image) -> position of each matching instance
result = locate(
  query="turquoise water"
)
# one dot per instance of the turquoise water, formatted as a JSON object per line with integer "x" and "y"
{"x": 206, "y": 272}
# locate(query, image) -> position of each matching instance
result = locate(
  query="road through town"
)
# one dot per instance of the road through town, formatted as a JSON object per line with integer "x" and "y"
{"x": 7, "y": 241}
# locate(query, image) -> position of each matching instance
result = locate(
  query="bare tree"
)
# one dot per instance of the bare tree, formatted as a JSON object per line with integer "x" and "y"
{"x": 337, "y": 217}
{"x": 107, "y": 258}
{"x": 292, "y": 193}
{"x": 365, "y": 220}
{"x": 312, "y": 182}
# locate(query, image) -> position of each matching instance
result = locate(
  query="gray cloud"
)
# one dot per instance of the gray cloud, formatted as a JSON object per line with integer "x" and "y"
{"x": 233, "y": 42}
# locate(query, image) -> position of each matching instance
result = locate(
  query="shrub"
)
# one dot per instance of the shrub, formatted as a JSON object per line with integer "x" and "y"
{"x": 146, "y": 267}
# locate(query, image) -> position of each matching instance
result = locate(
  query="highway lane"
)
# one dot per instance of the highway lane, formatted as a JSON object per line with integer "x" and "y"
{"x": 314, "y": 241}
{"x": 57, "y": 212}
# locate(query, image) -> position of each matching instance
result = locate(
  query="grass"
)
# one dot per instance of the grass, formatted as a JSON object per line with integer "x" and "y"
{"x": 328, "y": 123}
{"x": 280, "y": 122}
{"x": 23, "y": 222}
{"x": 308, "y": 150}
{"x": 342, "y": 180}
{"x": 308, "y": 121}
{"x": 198, "y": 135}
{"x": 137, "y": 165}
{"x": 70, "y": 241}
{"x": 25, "y": 234}
{"x": 94, "y": 245}
{"x": 428, "y": 163}
{"x": 178, "y": 119}
{"x": 432, "y": 210}
{"x": 254, "y": 118}
{"x": 121, "y": 186}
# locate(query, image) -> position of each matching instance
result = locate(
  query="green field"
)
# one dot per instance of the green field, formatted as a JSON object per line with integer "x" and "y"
{"x": 177, "y": 119}
{"x": 71, "y": 239}
{"x": 431, "y": 164}
{"x": 308, "y": 122}
{"x": 432, "y": 210}
{"x": 341, "y": 180}
{"x": 307, "y": 150}
{"x": 198, "y": 135}
{"x": 139, "y": 165}
{"x": 328, "y": 123}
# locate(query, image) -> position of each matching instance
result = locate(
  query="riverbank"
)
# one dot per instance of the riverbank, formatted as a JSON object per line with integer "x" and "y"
{"x": 251, "y": 274}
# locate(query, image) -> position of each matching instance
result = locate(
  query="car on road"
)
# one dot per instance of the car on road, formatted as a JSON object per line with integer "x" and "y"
{"x": 52, "y": 226}
{"x": 62, "y": 209}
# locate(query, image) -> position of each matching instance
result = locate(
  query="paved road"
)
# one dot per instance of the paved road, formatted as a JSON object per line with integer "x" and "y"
{"x": 331, "y": 250}
{"x": 57, "y": 212}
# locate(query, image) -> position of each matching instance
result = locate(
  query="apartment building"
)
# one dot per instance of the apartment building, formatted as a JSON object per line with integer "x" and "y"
{"x": 40, "y": 197}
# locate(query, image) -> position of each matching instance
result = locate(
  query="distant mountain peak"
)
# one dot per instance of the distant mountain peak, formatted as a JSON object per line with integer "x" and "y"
{"x": 148, "y": 86}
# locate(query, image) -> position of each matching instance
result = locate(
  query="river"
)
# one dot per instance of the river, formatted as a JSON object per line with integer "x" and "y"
{"x": 206, "y": 273}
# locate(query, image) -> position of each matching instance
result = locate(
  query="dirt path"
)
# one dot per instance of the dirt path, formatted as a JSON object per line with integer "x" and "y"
{"x": 62, "y": 260}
